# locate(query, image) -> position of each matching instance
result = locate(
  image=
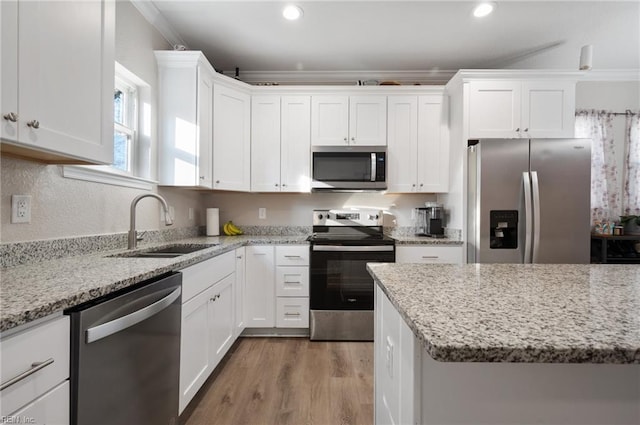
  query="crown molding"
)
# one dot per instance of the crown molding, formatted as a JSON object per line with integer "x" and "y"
{"x": 611, "y": 75}
{"x": 151, "y": 13}
{"x": 350, "y": 78}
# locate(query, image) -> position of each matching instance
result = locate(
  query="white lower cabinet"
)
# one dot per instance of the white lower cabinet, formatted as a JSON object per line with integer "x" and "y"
{"x": 43, "y": 394}
{"x": 208, "y": 321}
{"x": 396, "y": 366}
{"x": 277, "y": 286}
{"x": 240, "y": 290}
{"x": 260, "y": 287}
{"x": 443, "y": 254}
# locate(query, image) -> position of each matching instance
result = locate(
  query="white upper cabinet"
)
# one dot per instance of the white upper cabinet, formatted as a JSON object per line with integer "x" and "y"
{"x": 58, "y": 80}
{"x": 521, "y": 109}
{"x": 349, "y": 120}
{"x": 186, "y": 118}
{"x": 295, "y": 144}
{"x": 280, "y": 143}
{"x": 265, "y": 143}
{"x": 418, "y": 145}
{"x": 231, "y": 138}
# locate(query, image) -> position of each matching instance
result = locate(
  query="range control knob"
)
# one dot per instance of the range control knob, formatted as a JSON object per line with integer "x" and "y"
{"x": 320, "y": 217}
{"x": 373, "y": 217}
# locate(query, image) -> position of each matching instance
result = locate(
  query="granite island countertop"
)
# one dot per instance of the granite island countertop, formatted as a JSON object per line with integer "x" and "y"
{"x": 533, "y": 313}
{"x": 30, "y": 292}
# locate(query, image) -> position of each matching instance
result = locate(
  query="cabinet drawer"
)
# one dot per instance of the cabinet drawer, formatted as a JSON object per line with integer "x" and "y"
{"x": 51, "y": 408}
{"x": 47, "y": 342}
{"x": 293, "y": 255}
{"x": 292, "y": 281}
{"x": 199, "y": 277}
{"x": 292, "y": 312}
{"x": 429, "y": 254}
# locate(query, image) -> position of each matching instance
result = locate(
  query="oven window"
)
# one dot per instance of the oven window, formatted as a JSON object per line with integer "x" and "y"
{"x": 332, "y": 166}
{"x": 340, "y": 281}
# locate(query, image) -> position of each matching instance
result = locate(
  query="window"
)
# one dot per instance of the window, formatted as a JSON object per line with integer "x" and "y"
{"x": 125, "y": 113}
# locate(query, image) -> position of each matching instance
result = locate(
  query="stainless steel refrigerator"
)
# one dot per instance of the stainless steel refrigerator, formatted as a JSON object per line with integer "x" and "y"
{"x": 529, "y": 201}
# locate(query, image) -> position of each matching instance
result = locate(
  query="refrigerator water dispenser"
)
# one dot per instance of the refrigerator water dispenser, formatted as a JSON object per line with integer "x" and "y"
{"x": 504, "y": 229}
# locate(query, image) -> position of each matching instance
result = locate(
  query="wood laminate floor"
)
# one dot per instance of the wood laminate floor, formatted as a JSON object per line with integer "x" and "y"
{"x": 280, "y": 381}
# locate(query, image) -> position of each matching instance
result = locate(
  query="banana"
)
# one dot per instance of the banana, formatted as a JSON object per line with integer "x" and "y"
{"x": 231, "y": 229}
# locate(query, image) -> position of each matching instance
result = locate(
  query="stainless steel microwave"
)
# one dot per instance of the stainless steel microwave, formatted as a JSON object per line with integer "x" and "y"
{"x": 349, "y": 168}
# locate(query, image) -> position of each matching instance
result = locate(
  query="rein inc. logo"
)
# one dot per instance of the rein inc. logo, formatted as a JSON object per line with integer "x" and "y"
{"x": 17, "y": 419}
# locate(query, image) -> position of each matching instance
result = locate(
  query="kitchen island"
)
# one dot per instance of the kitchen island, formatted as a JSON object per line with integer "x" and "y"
{"x": 507, "y": 344}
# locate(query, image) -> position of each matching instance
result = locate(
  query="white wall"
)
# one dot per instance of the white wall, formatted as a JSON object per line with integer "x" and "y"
{"x": 64, "y": 207}
{"x": 616, "y": 97}
{"x": 295, "y": 209}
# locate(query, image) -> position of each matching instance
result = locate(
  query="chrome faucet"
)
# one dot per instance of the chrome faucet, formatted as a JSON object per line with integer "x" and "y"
{"x": 133, "y": 235}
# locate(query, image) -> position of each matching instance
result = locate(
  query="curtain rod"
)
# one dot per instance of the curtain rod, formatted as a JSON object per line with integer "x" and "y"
{"x": 626, "y": 112}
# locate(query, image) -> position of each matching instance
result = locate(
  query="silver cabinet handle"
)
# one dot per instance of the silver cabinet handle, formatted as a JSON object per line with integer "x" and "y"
{"x": 292, "y": 256}
{"x": 217, "y": 181}
{"x": 413, "y": 185}
{"x": 284, "y": 185}
{"x": 11, "y": 116}
{"x": 518, "y": 129}
{"x": 276, "y": 184}
{"x": 421, "y": 184}
{"x": 353, "y": 139}
{"x": 201, "y": 177}
{"x": 292, "y": 314}
{"x": 34, "y": 124}
{"x": 297, "y": 282}
{"x": 36, "y": 366}
{"x": 106, "y": 329}
{"x": 526, "y": 129}
{"x": 346, "y": 140}
{"x": 430, "y": 256}
{"x": 239, "y": 257}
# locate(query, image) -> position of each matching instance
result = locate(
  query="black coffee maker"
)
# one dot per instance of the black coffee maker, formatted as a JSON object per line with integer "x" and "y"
{"x": 429, "y": 221}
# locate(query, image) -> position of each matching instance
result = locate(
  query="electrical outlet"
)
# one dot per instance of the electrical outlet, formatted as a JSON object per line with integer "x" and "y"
{"x": 262, "y": 213}
{"x": 21, "y": 208}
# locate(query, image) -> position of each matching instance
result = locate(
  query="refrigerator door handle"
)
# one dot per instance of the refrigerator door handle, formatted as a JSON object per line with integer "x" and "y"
{"x": 526, "y": 181}
{"x": 536, "y": 216}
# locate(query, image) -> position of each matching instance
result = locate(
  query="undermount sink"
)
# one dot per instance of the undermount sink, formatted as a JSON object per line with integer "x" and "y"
{"x": 169, "y": 251}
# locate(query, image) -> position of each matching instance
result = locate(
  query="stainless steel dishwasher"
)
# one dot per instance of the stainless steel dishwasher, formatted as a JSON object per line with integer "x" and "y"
{"x": 125, "y": 354}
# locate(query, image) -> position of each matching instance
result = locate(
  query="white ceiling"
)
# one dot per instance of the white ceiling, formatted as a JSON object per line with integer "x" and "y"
{"x": 402, "y": 37}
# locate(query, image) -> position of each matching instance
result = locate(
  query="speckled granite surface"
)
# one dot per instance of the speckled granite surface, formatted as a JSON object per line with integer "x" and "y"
{"x": 29, "y": 292}
{"x": 540, "y": 313}
{"x": 406, "y": 235}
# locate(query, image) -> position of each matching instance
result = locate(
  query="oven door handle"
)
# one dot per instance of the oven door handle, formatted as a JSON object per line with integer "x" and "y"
{"x": 353, "y": 248}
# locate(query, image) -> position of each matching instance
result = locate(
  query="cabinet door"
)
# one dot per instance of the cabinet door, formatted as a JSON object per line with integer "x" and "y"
{"x": 51, "y": 408}
{"x": 195, "y": 351}
{"x": 9, "y": 70}
{"x": 433, "y": 145}
{"x": 260, "y": 287}
{"x": 329, "y": 120}
{"x": 548, "y": 109}
{"x": 66, "y": 77}
{"x": 204, "y": 145}
{"x": 240, "y": 290}
{"x": 221, "y": 319}
{"x": 295, "y": 147}
{"x": 368, "y": 120}
{"x": 402, "y": 144}
{"x": 231, "y": 139}
{"x": 265, "y": 144}
{"x": 429, "y": 254}
{"x": 494, "y": 109}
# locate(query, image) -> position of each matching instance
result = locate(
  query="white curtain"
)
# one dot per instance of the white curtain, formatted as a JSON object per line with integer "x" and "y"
{"x": 631, "y": 192}
{"x": 605, "y": 193}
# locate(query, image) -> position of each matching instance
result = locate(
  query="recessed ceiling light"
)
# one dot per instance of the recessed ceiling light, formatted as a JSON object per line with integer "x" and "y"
{"x": 483, "y": 9}
{"x": 292, "y": 12}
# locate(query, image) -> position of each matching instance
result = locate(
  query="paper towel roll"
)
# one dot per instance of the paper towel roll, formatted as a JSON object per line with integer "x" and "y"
{"x": 213, "y": 221}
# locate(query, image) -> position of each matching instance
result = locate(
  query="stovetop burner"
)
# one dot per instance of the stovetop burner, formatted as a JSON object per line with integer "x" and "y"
{"x": 352, "y": 227}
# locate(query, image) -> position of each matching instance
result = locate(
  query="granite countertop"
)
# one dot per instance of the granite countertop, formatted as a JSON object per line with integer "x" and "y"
{"x": 426, "y": 240}
{"x": 534, "y": 313}
{"x": 29, "y": 292}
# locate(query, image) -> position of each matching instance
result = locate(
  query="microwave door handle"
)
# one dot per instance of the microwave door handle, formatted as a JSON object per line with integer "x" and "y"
{"x": 373, "y": 166}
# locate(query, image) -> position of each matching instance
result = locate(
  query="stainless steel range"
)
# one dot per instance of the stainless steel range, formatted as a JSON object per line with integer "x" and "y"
{"x": 341, "y": 290}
